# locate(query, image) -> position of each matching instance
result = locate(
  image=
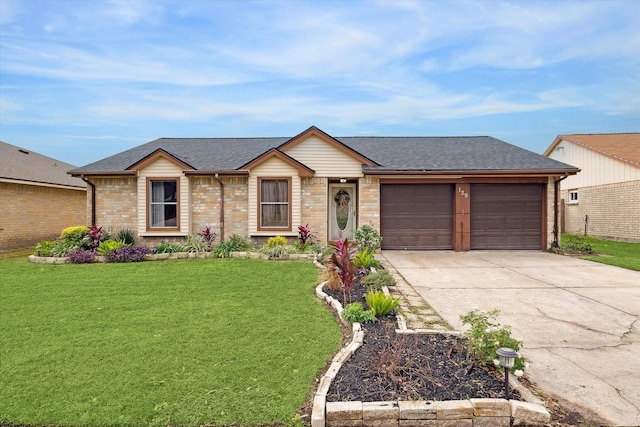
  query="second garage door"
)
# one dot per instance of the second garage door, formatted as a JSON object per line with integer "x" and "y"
{"x": 416, "y": 216}
{"x": 506, "y": 216}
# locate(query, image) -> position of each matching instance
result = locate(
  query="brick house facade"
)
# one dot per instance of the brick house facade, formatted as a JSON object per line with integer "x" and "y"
{"x": 261, "y": 187}
{"x": 37, "y": 198}
{"x": 603, "y": 200}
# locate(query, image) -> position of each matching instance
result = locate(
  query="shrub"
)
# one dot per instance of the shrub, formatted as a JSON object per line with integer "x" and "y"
{"x": 278, "y": 250}
{"x": 486, "y": 335}
{"x": 577, "y": 244}
{"x": 367, "y": 238}
{"x": 63, "y": 248}
{"x": 74, "y": 236}
{"x": 276, "y": 241}
{"x": 208, "y": 236}
{"x": 126, "y": 235}
{"x": 166, "y": 248}
{"x": 343, "y": 266}
{"x": 354, "y": 312}
{"x": 333, "y": 280}
{"x": 234, "y": 244}
{"x": 82, "y": 256}
{"x": 108, "y": 246}
{"x": 128, "y": 254}
{"x": 304, "y": 236}
{"x": 378, "y": 279}
{"x": 365, "y": 260}
{"x": 93, "y": 238}
{"x": 381, "y": 304}
{"x": 193, "y": 244}
{"x": 45, "y": 248}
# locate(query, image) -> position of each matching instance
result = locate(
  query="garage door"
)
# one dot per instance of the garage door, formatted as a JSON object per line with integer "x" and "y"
{"x": 416, "y": 216}
{"x": 506, "y": 216}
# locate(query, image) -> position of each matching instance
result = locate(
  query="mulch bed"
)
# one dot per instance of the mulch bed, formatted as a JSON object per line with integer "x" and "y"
{"x": 392, "y": 366}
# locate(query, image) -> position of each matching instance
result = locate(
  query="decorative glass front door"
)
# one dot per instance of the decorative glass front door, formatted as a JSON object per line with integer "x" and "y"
{"x": 342, "y": 211}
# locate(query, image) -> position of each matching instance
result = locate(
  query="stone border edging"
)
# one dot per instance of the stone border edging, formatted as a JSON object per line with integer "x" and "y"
{"x": 182, "y": 255}
{"x": 419, "y": 413}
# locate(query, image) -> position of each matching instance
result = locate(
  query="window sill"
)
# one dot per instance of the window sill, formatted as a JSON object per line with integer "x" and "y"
{"x": 168, "y": 233}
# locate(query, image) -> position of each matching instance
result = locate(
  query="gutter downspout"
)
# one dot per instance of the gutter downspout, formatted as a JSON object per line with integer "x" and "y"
{"x": 556, "y": 202}
{"x": 93, "y": 199}
{"x": 221, "y": 207}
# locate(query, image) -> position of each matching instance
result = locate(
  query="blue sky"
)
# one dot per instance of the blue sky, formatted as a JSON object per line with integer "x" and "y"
{"x": 84, "y": 79}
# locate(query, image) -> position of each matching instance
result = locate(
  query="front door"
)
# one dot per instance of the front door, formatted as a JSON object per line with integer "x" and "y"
{"x": 342, "y": 211}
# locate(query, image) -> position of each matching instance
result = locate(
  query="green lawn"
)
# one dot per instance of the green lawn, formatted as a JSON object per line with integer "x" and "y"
{"x": 183, "y": 342}
{"x": 620, "y": 254}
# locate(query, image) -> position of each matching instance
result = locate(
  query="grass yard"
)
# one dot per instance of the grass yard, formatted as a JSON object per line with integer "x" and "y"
{"x": 184, "y": 342}
{"x": 620, "y": 254}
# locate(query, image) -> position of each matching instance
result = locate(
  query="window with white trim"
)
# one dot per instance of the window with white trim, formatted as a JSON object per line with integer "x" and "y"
{"x": 275, "y": 206}
{"x": 573, "y": 197}
{"x": 163, "y": 205}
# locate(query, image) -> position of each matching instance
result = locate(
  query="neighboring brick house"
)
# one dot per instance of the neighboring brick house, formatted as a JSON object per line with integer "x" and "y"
{"x": 603, "y": 200}
{"x": 456, "y": 193}
{"x": 37, "y": 198}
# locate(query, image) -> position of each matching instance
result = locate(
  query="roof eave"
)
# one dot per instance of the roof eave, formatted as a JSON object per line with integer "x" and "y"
{"x": 81, "y": 174}
{"x": 485, "y": 172}
{"x": 231, "y": 172}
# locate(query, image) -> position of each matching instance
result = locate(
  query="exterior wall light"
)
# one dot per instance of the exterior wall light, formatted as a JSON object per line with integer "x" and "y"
{"x": 507, "y": 358}
{"x": 343, "y": 180}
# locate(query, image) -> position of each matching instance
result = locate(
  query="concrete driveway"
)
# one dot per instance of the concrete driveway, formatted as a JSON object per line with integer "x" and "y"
{"x": 578, "y": 319}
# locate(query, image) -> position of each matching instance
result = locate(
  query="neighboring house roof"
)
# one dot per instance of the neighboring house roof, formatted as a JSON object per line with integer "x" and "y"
{"x": 624, "y": 147}
{"x": 19, "y": 164}
{"x": 386, "y": 154}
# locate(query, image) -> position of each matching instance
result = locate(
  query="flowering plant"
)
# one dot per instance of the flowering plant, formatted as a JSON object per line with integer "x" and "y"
{"x": 486, "y": 335}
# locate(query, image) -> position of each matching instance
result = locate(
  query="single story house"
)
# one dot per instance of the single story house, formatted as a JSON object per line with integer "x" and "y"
{"x": 455, "y": 193}
{"x": 37, "y": 198}
{"x": 603, "y": 200}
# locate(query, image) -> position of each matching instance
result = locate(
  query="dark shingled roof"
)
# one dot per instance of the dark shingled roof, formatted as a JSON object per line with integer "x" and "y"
{"x": 467, "y": 153}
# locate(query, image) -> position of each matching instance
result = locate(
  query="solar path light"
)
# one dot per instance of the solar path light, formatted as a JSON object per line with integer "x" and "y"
{"x": 507, "y": 358}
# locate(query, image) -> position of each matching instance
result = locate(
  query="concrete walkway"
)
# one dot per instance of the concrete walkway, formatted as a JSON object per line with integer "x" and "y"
{"x": 579, "y": 320}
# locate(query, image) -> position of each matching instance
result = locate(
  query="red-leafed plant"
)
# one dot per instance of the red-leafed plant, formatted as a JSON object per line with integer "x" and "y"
{"x": 95, "y": 235}
{"x": 304, "y": 236}
{"x": 344, "y": 268}
{"x": 208, "y": 236}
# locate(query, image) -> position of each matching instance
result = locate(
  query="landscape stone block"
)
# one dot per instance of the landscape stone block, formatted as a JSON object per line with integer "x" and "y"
{"x": 416, "y": 410}
{"x": 525, "y": 413}
{"x": 340, "y": 411}
{"x": 376, "y": 411}
{"x": 453, "y": 409}
{"x": 418, "y": 423}
{"x": 491, "y": 407}
{"x": 492, "y": 422}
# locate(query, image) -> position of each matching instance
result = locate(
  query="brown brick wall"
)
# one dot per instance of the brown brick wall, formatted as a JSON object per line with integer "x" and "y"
{"x": 31, "y": 214}
{"x": 205, "y": 205}
{"x": 613, "y": 210}
{"x": 370, "y": 202}
{"x": 116, "y": 203}
{"x": 314, "y": 206}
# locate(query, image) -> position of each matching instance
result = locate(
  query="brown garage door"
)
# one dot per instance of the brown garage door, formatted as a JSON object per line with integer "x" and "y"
{"x": 416, "y": 216}
{"x": 506, "y": 216}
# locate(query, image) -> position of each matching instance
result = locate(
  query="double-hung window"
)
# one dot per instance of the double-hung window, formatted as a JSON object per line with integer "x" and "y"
{"x": 275, "y": 203}
{"x": 163, "y": 203}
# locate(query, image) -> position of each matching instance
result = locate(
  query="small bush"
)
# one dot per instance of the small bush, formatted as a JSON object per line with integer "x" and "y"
{"x": 127, "y": 236}
{"x": 128, "y": 254}
{"x": 82, "y": 256}
{"x": 74, "y": 236}
{"x": 378, "y": 279}
{"x": 577, "y": 244}
{"x": 234, "y": 244}
{"x": 367, "y": 238}
{"x": 108, "y": 246}
{"x": 333, "y": 280}
{"x": 381, "y": 304}
{"x": 354, "y": 312}
{"x": 63, "y": 248}
{"x": 45, "y": 248}
{"x": 276, "y": 241}
{"x": 278, "y": 251}
{"x": 365, "y": 260}
{"x": 166, "y": 248}
{"x": 486, "y": 335}
{"x": 208, "y": 236}
{"x": 193, "y": 244}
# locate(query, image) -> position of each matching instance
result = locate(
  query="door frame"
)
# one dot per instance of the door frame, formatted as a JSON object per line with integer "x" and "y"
{"x": 353, "y": 211}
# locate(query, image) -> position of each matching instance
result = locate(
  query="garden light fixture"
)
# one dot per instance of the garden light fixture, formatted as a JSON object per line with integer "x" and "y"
{"x": 507, "y": 358}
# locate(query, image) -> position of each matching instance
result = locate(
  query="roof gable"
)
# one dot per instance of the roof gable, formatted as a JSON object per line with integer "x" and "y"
{"x": 624, "y": 147}
{"x": 159, "y": 154}
{"x": 302, "y": 169}
{"x": 314, "y": 131}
